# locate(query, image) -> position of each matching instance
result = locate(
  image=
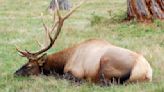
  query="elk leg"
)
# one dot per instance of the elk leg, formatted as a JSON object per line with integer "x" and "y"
{"x": 109, "y": 74}
{"x": 103, "y": 80}
{"x": 72, "y": 78}
{"x": 57, "y": 75}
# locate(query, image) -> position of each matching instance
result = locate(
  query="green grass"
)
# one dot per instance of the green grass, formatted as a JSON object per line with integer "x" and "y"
{"x": 20, "y": 24}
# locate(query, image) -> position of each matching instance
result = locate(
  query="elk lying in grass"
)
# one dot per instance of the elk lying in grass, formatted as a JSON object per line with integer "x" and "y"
{"x": 93, "y": 60}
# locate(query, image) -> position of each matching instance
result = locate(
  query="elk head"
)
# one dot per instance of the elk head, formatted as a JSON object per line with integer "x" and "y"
{"x": 38, "y": 58}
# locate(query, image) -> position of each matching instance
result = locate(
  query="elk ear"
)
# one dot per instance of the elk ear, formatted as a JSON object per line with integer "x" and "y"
{"x": 42, "y": 59}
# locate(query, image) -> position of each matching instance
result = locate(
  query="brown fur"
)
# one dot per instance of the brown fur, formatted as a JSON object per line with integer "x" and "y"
{"x": 92, "y": 57}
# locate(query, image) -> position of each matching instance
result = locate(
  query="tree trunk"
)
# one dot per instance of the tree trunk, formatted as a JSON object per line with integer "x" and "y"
{"x": 63, "y": 5}
{"x": 145, "y": 10}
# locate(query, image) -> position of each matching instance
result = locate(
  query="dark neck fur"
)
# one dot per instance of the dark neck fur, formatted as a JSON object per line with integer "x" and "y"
{"x": 55, "y": 62}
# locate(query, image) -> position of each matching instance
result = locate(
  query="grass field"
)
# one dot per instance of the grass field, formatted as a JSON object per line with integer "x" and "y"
{"x": 20, "y": 24}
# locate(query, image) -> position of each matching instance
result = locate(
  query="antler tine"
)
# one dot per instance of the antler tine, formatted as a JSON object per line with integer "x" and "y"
{"x": 22, "y": 53}
{"x": 61, "y": 20}
{"x": 58, "y": 14}
{"x": 57, "y": 8}
{"x": 54, "y": 26}
{"x": 39, "y": 44}
{"x": 57, "y": 24}
{"x": 36, "y": 40}
{"x": 47, "y": 33}
{"x": 52, "y": 40}
{"x": 45, "y": 27}
{"x": 73, "y": 10}
{"x": 67, "y": 15}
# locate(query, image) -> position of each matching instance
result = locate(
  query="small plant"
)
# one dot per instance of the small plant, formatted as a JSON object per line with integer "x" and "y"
{"x": 158, "y": 22}
{"x": 121, "y": 16}
{"x": 96, "y": 19}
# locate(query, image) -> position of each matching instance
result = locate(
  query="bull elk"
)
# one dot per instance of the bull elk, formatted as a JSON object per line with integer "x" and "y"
{"x": 93, "y": 60}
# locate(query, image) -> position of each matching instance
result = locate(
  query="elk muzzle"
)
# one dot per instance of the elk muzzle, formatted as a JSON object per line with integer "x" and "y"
{"x": 27, "y": 70}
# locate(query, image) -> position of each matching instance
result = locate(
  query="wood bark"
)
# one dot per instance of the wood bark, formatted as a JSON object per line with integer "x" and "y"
{"x": 145, "y": 10}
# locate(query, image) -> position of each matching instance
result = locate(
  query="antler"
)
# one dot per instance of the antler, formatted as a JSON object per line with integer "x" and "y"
{"x": 57, "y": 24}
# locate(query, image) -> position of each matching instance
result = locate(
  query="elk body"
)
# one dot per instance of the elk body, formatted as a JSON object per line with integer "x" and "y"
{"x": 93, "y": 60}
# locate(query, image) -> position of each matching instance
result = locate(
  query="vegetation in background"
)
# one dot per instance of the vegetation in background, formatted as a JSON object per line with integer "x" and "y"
{"x": 20, "y": 24}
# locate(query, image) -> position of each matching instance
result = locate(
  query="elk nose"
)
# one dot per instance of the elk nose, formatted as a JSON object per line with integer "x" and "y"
{"x": 17, "y": 73}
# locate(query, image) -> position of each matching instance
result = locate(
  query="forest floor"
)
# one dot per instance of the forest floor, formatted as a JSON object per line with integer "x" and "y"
{"x": 21, "y": 25}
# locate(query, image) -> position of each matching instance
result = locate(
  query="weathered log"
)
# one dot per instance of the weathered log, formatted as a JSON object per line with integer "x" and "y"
{"x": 145, "y": 10}
{"x": 63, "y": 5}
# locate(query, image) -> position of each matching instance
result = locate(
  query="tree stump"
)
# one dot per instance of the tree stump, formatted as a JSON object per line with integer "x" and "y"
{"x": 63, "y": 5}
{"x": 145, "y": 10}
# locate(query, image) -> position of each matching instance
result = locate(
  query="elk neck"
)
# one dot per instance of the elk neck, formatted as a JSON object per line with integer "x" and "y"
{"x": 55, "y": 62}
